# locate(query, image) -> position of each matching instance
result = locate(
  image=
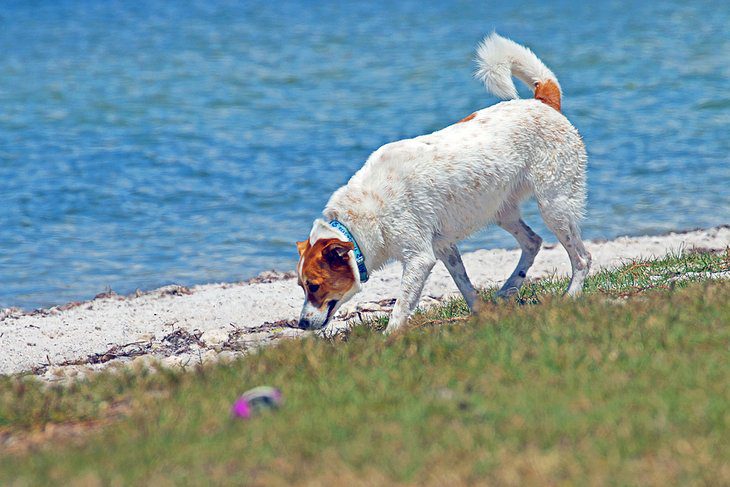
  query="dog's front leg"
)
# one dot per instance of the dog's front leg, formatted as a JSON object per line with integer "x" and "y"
{"x": 415, "y": 272}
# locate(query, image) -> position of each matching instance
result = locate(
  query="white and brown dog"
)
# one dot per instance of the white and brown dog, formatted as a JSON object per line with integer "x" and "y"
{"x": 414, "y": 199}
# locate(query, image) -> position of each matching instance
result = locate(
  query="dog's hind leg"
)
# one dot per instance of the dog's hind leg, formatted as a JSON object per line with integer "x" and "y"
{"x": 530, "y": 243}
{"x": 565, "y": 227}
{"x": 451, "y": 258}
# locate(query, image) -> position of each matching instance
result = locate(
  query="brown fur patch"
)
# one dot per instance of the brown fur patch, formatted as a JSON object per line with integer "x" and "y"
{"x": 303, "y": 246}
{"x": 466, "y": 119}
{"x": 326, "y": 273}
{"x": 548, "y": 93}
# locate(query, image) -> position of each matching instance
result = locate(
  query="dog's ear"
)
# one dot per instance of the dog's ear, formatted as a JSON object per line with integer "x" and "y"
{"x": 302, "y": 246}
{"x": 335, "y": 252}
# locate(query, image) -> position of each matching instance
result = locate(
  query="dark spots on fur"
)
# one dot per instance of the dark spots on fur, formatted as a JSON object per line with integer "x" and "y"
{"x": 522, "y": 274}
{"x": 453, "y": 260}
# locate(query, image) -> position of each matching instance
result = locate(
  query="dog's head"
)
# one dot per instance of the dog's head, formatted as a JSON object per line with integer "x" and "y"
{"x": 327, "y": 273}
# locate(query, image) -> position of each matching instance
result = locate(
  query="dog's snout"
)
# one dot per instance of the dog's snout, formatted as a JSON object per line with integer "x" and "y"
{"x": 316, "y": 318}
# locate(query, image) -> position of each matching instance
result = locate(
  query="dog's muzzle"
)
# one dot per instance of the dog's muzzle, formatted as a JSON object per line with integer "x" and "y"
{"x": 315, "y": 319}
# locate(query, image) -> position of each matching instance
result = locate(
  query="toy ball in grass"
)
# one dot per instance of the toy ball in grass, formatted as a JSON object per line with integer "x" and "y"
{"x": 256, "y": 400}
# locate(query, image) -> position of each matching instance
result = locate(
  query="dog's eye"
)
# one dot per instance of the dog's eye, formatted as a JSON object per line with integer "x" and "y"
{"x": 313, "y": 288}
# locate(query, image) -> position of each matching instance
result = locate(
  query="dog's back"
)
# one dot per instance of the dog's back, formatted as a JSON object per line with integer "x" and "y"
{"x": 457, "y": 180}
{"x": 499, "y": 157}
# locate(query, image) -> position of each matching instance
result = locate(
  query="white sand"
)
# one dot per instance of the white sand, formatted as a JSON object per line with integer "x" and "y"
{"x": 40, "y": 341}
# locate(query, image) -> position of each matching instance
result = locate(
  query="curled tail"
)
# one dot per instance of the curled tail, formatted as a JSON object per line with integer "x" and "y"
{"x": 498, "y": 59}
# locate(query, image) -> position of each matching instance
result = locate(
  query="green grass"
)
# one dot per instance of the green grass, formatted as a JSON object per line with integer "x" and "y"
{"x": 629, "y": 385}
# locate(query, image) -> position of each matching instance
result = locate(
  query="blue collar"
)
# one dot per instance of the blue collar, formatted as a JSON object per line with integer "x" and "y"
{"x": 359, "y": 258}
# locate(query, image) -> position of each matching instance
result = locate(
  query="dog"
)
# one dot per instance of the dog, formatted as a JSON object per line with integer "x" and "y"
{"x": 414, "y": 199}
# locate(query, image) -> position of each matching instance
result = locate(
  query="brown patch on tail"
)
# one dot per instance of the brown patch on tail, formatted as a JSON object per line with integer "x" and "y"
{"x": 548, "y": 93}
{"x": 466, "y": 119}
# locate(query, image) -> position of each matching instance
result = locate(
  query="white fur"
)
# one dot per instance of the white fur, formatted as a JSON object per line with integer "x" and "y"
{"x": 415, "y": 198}
{"x": 498, "y": 59}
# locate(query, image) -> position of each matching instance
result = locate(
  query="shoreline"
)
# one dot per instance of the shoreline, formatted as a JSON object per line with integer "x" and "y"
{"x": 183, "y": 326}
{"x": 268, "y": 276}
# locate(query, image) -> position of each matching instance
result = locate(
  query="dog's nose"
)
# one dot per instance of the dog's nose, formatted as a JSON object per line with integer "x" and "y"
{"x": 304, "y": 324}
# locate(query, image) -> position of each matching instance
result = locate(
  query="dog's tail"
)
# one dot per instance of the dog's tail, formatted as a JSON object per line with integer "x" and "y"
{"x": 498, "y": 59}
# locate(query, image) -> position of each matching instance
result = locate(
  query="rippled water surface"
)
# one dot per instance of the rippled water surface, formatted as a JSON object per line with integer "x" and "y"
{"x": 146, "y": 143}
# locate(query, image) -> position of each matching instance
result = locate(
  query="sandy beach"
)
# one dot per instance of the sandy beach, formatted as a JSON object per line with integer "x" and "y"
{"x": 185, "y": 326}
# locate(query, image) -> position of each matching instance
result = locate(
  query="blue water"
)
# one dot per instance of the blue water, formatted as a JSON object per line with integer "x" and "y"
{"x": 147, "y": 142}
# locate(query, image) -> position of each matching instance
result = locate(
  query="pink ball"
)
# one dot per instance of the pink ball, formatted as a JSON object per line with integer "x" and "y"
{"x": 241, "y": 408}
{"x": 255, "y": 400}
